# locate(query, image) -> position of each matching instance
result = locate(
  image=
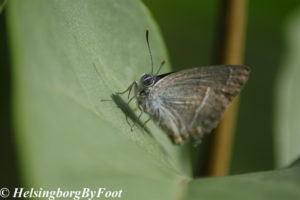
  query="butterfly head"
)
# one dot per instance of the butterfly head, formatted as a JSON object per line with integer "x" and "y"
{"x": 147, "y": 80}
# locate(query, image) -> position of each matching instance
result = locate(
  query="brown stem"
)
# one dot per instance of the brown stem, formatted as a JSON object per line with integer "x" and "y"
{"x": 234, "y": 21}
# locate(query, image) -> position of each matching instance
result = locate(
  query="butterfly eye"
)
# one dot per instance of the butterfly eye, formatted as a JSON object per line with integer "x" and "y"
{"x": 147, "y": 80}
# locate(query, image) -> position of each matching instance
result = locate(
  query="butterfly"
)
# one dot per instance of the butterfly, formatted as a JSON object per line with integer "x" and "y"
{"x": 188, "y": 104}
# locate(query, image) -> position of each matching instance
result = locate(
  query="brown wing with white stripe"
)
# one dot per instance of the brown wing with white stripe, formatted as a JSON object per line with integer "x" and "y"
{"x": 193, "y": 101}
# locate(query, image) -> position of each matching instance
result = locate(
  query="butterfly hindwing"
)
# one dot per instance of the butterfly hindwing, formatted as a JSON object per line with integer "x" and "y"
{"x": 192, "y": 101}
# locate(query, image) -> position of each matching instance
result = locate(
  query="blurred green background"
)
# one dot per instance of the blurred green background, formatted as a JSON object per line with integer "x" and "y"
{"x": 190, "y": 31}
{"x": 8, "y": 168}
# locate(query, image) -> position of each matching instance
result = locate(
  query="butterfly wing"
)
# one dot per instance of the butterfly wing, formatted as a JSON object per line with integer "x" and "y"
{"x": 192, "y": 101}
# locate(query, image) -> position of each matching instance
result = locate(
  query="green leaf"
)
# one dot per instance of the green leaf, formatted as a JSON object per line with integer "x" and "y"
{"x": 67, "y": 55}
{"x": 287, "y": 113}
{"x": 272, "y": 185}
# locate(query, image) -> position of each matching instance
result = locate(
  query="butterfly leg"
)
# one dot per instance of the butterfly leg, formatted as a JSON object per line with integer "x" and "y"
{"x": 139, "y": 117}
{"x": 133, "y": 84}
{"x": 129, "y": 89}
{"x": 130, "y": 99}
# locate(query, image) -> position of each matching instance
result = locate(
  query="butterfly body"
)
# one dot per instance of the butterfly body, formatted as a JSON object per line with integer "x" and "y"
{"x": 188, "y": 104}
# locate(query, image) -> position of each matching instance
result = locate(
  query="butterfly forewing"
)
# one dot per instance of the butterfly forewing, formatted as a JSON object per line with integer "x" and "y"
{"x": 191, "y": 102}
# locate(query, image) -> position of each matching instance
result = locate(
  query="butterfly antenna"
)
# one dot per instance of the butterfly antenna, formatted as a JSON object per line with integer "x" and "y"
{"x": 161, "y": 64}
{"x": 147, "y": 39}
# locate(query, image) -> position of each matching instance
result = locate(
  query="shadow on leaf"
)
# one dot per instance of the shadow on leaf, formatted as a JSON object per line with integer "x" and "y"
{"x": 128, "y": 112}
